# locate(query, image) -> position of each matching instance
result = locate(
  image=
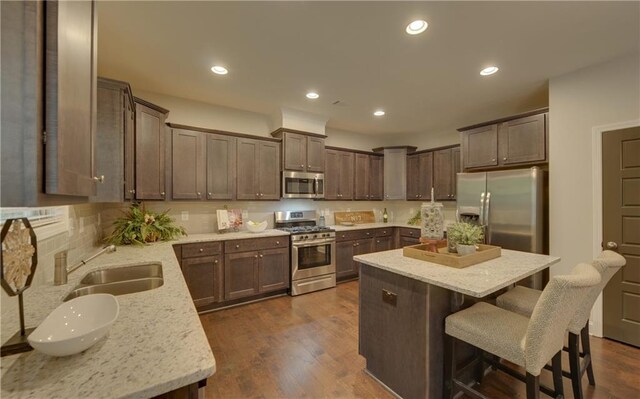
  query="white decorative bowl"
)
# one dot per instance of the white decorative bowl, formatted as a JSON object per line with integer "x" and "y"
{"x": 257, "y": 227}
{"x": 76, "y": 325}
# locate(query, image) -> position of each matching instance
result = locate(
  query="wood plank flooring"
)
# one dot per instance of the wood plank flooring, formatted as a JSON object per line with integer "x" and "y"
{"x": 307, "y": 347}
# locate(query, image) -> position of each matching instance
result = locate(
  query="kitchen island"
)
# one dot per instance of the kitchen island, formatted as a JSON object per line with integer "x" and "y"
{"x": 156, "y": 345}
{"x": 403, "y": 304}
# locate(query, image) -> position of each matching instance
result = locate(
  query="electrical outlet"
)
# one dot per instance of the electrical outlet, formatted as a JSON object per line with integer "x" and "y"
{"x": 185, "y": 215}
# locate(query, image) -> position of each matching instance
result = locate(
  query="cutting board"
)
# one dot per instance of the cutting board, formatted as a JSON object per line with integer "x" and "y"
{"x": 358, "y": 217}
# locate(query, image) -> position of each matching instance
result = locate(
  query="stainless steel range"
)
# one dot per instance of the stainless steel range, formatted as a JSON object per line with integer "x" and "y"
{"x": 313, "y": 251}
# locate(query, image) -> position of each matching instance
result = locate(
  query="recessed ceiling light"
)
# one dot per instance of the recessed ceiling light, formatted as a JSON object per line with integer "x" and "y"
{"x": 489, "y": 70}
{"x": 379, "y": 112}
{"x": 417, "y": 26}
{"x": 219, "y": 70}
{"x": 312, "y": 95}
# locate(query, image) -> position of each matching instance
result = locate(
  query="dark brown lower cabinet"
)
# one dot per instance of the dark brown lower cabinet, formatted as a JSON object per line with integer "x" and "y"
{"x": 408, "y": 236}
{"x": 383, "y": 244}
{"x": 346, "y": 267}
{"x": 273, "y": 269}
{"x": 204, "y": 279}
{"x": 255, "y": 272}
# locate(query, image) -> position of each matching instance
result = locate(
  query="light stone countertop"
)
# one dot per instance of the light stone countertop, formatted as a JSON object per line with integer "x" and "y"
{"x": 364, "y": 226}
{"x": 477, "y": 280}
{"x": 156, "y": 345}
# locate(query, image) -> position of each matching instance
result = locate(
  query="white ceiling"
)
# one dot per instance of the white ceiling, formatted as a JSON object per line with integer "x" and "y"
{"x": 358, "y": 53}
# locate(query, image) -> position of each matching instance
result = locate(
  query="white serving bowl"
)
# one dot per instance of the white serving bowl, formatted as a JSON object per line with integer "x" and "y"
{"x": 258, "y": 227}
{"x": 76, "y": 325}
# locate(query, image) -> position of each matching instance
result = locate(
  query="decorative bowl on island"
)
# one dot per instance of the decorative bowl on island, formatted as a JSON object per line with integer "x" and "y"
{"x": 256, "y": 227}
{"x": 76, "y": 325}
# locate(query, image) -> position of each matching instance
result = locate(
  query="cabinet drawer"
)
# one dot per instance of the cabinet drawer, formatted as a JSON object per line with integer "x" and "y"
{"x": 409, "y": 232}
{"x": 201, "y": 249}
{"x": 384, "y": 232}
{"x": 354, "y": 234}
{"x": 235, "y": 246}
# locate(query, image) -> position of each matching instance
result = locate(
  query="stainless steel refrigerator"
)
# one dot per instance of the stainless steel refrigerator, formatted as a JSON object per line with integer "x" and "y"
{"x": 510, "y": 205}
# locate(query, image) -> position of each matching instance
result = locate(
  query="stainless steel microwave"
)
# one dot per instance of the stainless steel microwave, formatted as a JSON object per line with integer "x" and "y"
{"x": 302, "y": 185}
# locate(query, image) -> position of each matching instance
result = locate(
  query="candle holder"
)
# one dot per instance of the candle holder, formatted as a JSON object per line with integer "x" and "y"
{"x": 18, "y": 261}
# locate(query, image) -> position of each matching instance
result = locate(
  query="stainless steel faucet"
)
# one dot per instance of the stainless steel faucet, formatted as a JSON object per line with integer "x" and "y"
{"x": 62, "y": 271}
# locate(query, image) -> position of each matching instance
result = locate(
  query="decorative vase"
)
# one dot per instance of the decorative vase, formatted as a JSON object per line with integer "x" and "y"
{"x": 466, "y": 249}
{"x": 432, "y": 226}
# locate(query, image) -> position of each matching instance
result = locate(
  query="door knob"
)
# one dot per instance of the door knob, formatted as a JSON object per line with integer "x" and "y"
{"x": 612, "y": 245}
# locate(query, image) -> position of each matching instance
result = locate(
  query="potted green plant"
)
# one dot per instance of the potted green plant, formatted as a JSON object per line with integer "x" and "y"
{"x": 464, "y": 237}
{"x": 139, "y": 226}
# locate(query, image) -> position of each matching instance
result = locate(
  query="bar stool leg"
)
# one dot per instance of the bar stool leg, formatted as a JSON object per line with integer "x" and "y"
{"x": 479, "y": 365}
{"x": 556, "y": 365}
{"x": 533, "y": 386}
{"x": 574, "y": 365}
{"x": 586, "y": 348}
{"x": 448, "y": 387}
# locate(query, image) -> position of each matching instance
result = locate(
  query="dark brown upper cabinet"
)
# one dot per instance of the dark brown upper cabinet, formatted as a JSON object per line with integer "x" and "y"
{"x": 376, "y": 182}
{"x": 339, "y": 175}
{"x": 221, "y": 166}
{"x": 187, "y": 165}
{"x": 150, "y": 150}
{"x": 70, "y": 97}
{"x": 115, "y": 140}
{"x": 302, "y": 152}
{"x": 258, "y": 170}
{"x": 446, "y": 164}
{"x": 517, "y": 140}
{"x": 369, "y": 177}
{"x": 419, "y": 176}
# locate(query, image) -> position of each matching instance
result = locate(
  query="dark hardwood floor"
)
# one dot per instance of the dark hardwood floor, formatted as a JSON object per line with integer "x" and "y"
{"x": 307, "y": 347}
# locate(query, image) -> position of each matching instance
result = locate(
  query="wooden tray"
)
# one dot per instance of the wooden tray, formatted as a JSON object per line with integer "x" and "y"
{"x": 443, "y": 257}
{"x": 358, "y": 217}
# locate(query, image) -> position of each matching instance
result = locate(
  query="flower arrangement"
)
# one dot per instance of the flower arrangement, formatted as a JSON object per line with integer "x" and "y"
{"x": 466, "y": 234}
{"x": 139, "y": 226}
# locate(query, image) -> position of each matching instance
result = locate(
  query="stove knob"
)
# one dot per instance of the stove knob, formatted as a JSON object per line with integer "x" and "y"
{"x": 305, "y": 237}
{"x": 315, "y": 236}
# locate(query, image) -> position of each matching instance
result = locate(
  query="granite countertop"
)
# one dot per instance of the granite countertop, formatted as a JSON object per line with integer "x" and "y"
{"x": 240, "y": 235}
{"x": 477, "y": 280}
{"x": 156, "y": 345}
{"x": 364, "y": 226}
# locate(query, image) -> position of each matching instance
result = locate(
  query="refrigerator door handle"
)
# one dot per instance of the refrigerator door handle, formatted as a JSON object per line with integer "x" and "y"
{"x": 486, "y": 217}
{"x": 481, "y": 215}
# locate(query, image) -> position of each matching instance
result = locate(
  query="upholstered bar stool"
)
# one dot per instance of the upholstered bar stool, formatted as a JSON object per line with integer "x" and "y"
{"x": 528, "y": 342}
{"x": 523, "y": 300}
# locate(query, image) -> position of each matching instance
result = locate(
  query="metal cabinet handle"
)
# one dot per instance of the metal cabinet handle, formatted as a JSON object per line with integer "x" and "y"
{"x": 302, "y": 166}
{"x": 255, "y": 256}
{"x": 215, "y": 261}
{"x": 378, "y": 241}
{"x": 257, "y": 194}
{"x": 162, "y": 194}
{"x": 209, "y": 195}
{"x": 237, "y": 246}
{"x": 201, "y": 250}
{"x": 262, "y": 256}
{"x": 411, "y": 233}
{"x": 99, "y": 179}
{"x": 493, "y": 159}
{"x": 277, "y": 242}
{"x": 612, "y": 245}
{"x": 368, "y": 233}
{"x": 199, "y": 194}
{"x": 308, "y": 166}
{"x": 504, "y": 159}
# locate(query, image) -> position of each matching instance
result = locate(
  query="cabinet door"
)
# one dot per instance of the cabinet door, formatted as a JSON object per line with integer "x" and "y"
{"x": 274, "y": 269}
{"x": 315, "y": 154}
{"x": 331, "y": 174}
{"x": 362, "y": 247}
{"x": 345, "y": 251}
{"x": 406, "y": 241}
{"x": 345, "y": 191}
{"x": 480, "y": 147}
{"x": 383, "y": 244}
{"x": 203, "y": 277}
{"x": 413, "y": 177}
{"x": 221, "y": 166}
{"x": 376, "y": 177}
{"x": 187, "y": 165}
{"x": 150, "y": 151}
{"x": 361, "y": 177}
{"x": 241, "y": 273}
{"x": 395, "y": 174}
{"x": 425, "y": 175}
{"x": 70, "y": 97}
{"x": 268, "y": 170}
{"x": 442, "y": 174}
{"x": 295, "y": 151}
{"x": 455, "y": 169}
{"x": 129, "y": 149}
{"x": 523, "y": 140}
{"x": 247, "y": 182}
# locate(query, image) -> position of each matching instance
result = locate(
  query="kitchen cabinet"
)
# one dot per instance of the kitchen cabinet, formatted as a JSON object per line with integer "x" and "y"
{"x": 339, "y": 173}
{"x": 202, "y": 268}
{"x": 302, "y": 152}
{"x": 368, "y": 181}
{"x": 273, "y": 270}
{"x": 517, "y": 140}
{"x": 446, "y": 164}
{"x": 419, "y": 176}
{"x": 241, "y": 275}
{"x": 150, "y": 150}
{"x": 187, "y": 165}
{"x": 408, "y": 236}
{"x": 115, "y": 140}
{"x": 220, "y": 166}
{"x": 395, "y": 171}
{"x": 258, "y": 170}
{"x": 383, "y": 244}
{"x": 349, "y": 244}
{"x": 70, "y": 96}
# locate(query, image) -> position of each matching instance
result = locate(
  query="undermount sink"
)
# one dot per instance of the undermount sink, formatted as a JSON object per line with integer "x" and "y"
{"x": 120, "y": 281}
{"x": 148, "y": 270}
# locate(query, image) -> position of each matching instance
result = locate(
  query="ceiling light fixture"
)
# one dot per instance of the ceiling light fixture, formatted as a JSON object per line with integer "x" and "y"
{"x": 379, "y": 112}
{"x": 312, "y": 95}
{"x": 417, "y": 27}
{"x": 219, "y": 70}
{"x": 489, "y": 71}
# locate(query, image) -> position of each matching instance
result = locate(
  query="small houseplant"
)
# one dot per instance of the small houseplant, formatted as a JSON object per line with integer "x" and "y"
{"x": 139, "y": 226}
{"x": 465, "y": 236}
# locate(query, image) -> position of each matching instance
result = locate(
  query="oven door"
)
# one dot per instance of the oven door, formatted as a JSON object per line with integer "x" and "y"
{"x": 302, "y": 185}
{"x": 313, "y": 259}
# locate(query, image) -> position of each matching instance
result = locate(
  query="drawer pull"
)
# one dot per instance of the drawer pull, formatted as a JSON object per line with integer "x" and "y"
{"x": 262, "y": 256}
{"x": 277, "y": 242}
{"x": 389, "y": 297}
{"x": 237, "y": 246}
{"x": 215, "y": 261}
{"x": 201, "y": 250}
{"x": 255, "y": 256}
